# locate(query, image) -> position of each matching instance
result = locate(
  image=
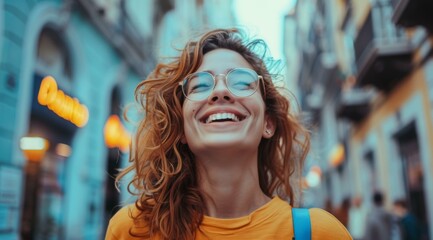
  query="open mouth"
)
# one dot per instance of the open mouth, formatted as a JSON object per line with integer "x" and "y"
{"x": 223, "y": 117}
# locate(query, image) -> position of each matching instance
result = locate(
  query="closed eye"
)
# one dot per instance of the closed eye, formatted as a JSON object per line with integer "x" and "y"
{"x": 202, "y": 87}
{"x": 243, "y": 85}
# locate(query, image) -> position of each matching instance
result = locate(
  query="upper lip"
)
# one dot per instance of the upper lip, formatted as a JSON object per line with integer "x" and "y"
{"x": 239, "y": 115}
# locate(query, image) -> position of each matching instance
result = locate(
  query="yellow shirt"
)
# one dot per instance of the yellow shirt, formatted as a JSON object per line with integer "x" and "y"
{"x": 271, "y": 221}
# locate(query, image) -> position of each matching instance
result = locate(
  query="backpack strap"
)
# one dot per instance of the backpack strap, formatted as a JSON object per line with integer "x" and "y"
{"x": 301, "y": 224}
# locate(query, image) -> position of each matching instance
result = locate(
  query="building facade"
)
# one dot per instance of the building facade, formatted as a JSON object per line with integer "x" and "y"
{"x": 365, "y": 81}
{"x": 54, "y": 181}
{"x": 68, "y": 70}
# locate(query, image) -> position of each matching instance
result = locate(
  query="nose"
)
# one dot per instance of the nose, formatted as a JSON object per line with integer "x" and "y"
{"x": 220, "y": 92}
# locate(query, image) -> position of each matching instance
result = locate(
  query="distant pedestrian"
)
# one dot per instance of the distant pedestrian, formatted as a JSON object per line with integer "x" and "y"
{"x": 342, "y": 213}
{"x": 357, "y": 215}
{"x": 409, "y": 225}
{"x": 379, "y": 221}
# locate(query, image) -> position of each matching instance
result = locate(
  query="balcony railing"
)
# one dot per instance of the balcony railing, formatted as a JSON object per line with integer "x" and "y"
{"x": 312, "y": 50}
{"x": 411, "y": 13}
{"x": 383, "y": 53}
{"x": 325, "y": 70}
{"x": 310, "y": 54}
{"x": 322, "y": 82}
{"x": 354, "y": 105}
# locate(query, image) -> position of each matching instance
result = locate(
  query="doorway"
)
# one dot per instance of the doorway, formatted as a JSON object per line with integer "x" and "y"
{"x": 413, "y": 174}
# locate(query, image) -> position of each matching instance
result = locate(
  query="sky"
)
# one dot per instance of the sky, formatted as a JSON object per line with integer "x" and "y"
{"x": 264, "y": 18}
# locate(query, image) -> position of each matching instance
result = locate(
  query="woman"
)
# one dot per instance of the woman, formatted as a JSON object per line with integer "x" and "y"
{"x": 214, "y": 156}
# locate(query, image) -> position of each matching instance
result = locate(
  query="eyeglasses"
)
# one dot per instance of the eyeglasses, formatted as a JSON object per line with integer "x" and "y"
{"x": 241, "y": 82}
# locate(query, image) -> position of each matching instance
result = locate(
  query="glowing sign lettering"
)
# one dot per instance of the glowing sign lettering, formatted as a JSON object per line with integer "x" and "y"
{"x": 63, "y": 105}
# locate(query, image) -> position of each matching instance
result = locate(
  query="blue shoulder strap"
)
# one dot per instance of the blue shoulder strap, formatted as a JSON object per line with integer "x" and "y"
{"x": 301, "y": 224}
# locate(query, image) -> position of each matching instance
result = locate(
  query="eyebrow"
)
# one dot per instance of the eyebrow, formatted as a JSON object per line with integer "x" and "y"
{"x": 213, "y": 73}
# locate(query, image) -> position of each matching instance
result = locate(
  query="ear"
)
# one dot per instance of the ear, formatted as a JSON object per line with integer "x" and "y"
{"x": 269, "y": 127}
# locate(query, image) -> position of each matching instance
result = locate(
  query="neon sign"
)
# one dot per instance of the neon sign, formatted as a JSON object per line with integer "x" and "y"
{"x": 61, "y": 104}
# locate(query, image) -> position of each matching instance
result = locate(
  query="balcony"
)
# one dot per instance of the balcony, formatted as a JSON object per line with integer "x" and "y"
{"x": 323, "y": 82}
{"x": 121, "y": 33}
{"x": 411, "y": 13}
{"x": 312, "y": 103}
{"x": 308, "y": 59}
{"x": 325, "y": 71}
{"x": 354, "y": 105}
{"x": 311, "y": 45}
{"x": 383, "y": 58}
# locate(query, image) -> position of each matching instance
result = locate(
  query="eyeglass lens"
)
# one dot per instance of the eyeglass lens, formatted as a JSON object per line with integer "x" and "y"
{"x": 240, "y": 82}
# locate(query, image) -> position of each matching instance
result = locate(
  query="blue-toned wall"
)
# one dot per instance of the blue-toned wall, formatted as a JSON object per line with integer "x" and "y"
{"x": 97, "y": 68}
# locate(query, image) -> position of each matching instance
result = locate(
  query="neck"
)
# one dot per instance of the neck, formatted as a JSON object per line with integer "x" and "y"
{"x": 230, "y": 185}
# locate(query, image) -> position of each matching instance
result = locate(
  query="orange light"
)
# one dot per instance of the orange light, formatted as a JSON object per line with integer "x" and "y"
{"x": 34, "y": 148}
{"x": 337, "y": 155}
{"x": 116, "y": 135}
{"x": 313, "y": 177}
{"x": 316, "y": 169}
{"x": 63, "y": 150}
{"x": 63, "y": 105}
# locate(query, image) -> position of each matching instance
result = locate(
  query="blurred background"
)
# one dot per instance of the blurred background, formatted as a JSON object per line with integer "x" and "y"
{"x": 361, "y": 70}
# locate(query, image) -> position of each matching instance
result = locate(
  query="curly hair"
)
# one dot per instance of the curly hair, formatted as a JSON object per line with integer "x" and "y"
{"x": 164, "y": 172}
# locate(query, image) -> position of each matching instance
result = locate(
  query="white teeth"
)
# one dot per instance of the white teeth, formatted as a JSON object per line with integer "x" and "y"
{"x": 219, "y": 116}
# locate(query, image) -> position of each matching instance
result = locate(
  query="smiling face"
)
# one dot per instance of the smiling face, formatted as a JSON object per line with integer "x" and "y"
{"x": 224, "y": 121}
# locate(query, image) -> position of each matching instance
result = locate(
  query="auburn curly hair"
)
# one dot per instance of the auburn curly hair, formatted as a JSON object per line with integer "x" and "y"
{"x": 164, "y": 170}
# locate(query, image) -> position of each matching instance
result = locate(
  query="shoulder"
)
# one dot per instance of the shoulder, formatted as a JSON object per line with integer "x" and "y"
{"x": 326, "y": 226}
{"x": 122, "y": 223}
{"x": 280, "y": 203}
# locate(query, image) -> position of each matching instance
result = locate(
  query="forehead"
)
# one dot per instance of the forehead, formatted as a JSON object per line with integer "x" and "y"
{"x": 221, "y": 60}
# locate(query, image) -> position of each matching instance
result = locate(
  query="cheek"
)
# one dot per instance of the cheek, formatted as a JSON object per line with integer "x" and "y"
{"x": 189, "y": 113}
{"x": 189, "y": 108}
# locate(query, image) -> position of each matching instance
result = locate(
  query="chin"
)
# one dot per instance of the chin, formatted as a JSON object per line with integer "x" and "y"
{"x": 226, "y": 143}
